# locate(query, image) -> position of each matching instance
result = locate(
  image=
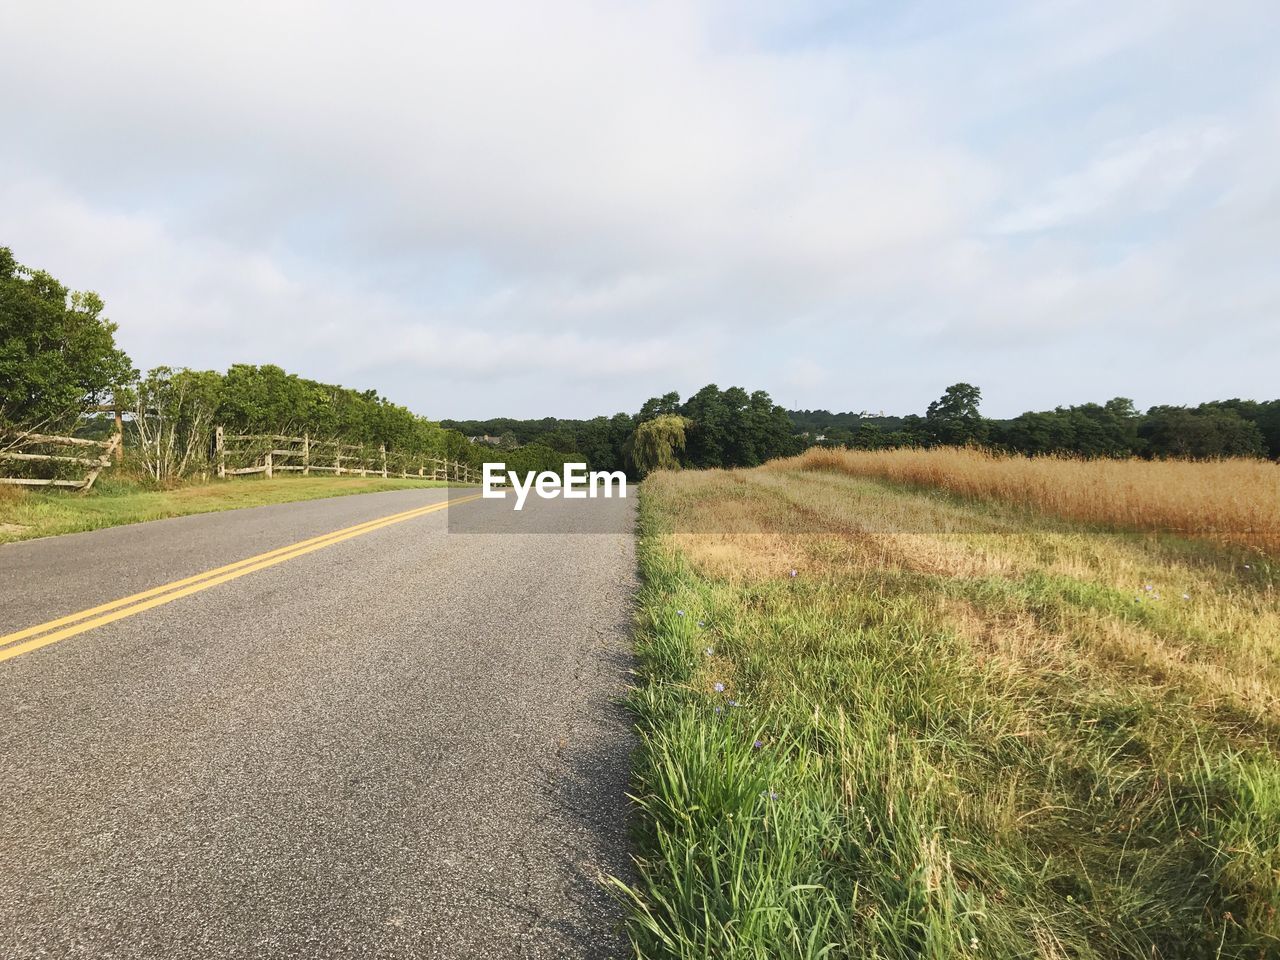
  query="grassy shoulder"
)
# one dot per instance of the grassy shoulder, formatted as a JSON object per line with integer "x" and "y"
{"x": 26, "y": 514}
{"x": 905, "y": 727}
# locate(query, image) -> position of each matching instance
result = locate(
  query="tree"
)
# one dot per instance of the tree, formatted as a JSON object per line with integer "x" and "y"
{"x": 656, "y": 443}
{"x": 730, "y": 428}
{"x": 664, "y": 405}
{"x": 709, "y": 415}
{"x": 1087, "y": 430}
{"x": 1202, "y": 434}
{"x": 1265, "y": 414}
{"x": 58, "y": 354}
{"x": 174, "y": 411}
{"x": 868, "y": 437}
{"x": 771, "y": 430}
{"x": 953, "y": 419}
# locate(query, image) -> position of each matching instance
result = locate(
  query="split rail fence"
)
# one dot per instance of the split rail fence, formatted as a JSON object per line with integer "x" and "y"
{"x": 80, "y": 455}
{"x": 75, "y": 463}
{"x": 269, "y": 454}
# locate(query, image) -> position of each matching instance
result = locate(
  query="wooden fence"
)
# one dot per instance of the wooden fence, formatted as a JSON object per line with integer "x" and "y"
{"x": 15, "y": 452}
{"x": 266, "y": 454}
{"x": 270, "y": 454}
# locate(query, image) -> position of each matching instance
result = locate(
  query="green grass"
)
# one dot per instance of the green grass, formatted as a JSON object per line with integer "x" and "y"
{"x": 964, "y": 745}
{"x": 25, "y": 514}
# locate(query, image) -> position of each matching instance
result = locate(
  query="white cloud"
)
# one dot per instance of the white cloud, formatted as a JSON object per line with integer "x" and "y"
{"x": 1141, "y": 175}
{"x": 619, "y": 197}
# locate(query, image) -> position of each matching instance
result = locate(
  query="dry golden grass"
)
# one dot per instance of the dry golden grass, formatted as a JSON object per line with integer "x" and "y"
{"x": 1196, "y": 622}
{"x": 1235, "y": 499}
{"x": 1073, "y": 729}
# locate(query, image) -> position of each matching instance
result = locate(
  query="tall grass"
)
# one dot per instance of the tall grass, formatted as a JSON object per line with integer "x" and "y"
{"x": 1238, "y": 499}
{"x": 1054, "y": 743}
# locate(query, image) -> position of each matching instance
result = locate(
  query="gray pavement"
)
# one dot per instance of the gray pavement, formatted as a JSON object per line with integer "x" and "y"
{"x": 408, "y": 744}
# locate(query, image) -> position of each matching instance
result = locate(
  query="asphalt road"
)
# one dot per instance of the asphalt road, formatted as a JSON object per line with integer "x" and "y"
{"x": 406, "y": 744}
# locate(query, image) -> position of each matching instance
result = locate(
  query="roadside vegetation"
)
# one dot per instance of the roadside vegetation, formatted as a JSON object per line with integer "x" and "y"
{"x": 26, "y": 514}
{"x": 881, "y": 720}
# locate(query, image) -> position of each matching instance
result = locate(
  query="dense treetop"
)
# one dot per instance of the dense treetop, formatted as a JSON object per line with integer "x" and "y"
{"x": 57, "y": 352}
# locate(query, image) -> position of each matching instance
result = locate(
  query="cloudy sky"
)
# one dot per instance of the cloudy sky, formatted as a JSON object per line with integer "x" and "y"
{"x": 562, "y": 208}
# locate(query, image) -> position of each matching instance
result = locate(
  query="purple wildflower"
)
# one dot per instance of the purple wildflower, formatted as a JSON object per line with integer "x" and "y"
{"x": 719, "y": 687}
{"x": 757, "y": 745}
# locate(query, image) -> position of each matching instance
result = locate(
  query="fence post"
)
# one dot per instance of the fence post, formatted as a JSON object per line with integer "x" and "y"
{"x": 382, "y": 449}
{"x": 267, "y": 463}
{"x": 306, "y": 454}
{"x": 221, "y": 452}
{"x": 337, "y": 461}
{"x": 120, "y": 433}
{"x": 103, "y": 462}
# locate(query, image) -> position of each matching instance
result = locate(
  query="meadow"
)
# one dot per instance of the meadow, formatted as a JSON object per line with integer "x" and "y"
{"x": 1234, "y": 499}
{"x": 887, "y": 713}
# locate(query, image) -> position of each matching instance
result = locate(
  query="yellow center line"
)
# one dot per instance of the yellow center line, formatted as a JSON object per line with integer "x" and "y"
{"x": 166, "y": 593}
{"x": 145, "y": 594}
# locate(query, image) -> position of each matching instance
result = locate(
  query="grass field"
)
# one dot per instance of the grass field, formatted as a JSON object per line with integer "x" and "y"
{"x": 884, "y": 721}
{"x": 25, "y": 514}
{"x": 1233, "y": 500}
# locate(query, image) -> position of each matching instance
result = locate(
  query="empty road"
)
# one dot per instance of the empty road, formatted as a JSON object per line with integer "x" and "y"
{"x": 399, "y": 742}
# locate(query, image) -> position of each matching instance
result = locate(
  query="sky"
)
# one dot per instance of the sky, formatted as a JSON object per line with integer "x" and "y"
{"x": 563, "y": 208}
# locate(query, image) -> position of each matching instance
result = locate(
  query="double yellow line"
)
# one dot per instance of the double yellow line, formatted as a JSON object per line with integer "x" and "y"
{"x": 33, "y": 638}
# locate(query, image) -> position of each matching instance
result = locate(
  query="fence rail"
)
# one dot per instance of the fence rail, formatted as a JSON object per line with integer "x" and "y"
{"x": 249, "y": 453}
{"x": 307, "y": 456}
{"x": 13, "y": 453}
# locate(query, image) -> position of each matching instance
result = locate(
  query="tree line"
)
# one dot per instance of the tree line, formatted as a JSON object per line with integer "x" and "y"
{"x": 712, "y": 428}
{"x": 1219, "y": 428}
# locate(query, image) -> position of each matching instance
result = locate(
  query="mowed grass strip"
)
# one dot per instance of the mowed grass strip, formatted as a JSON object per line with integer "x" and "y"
{"x": 26, "y": 514}
{"x": 949, "y": 733}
